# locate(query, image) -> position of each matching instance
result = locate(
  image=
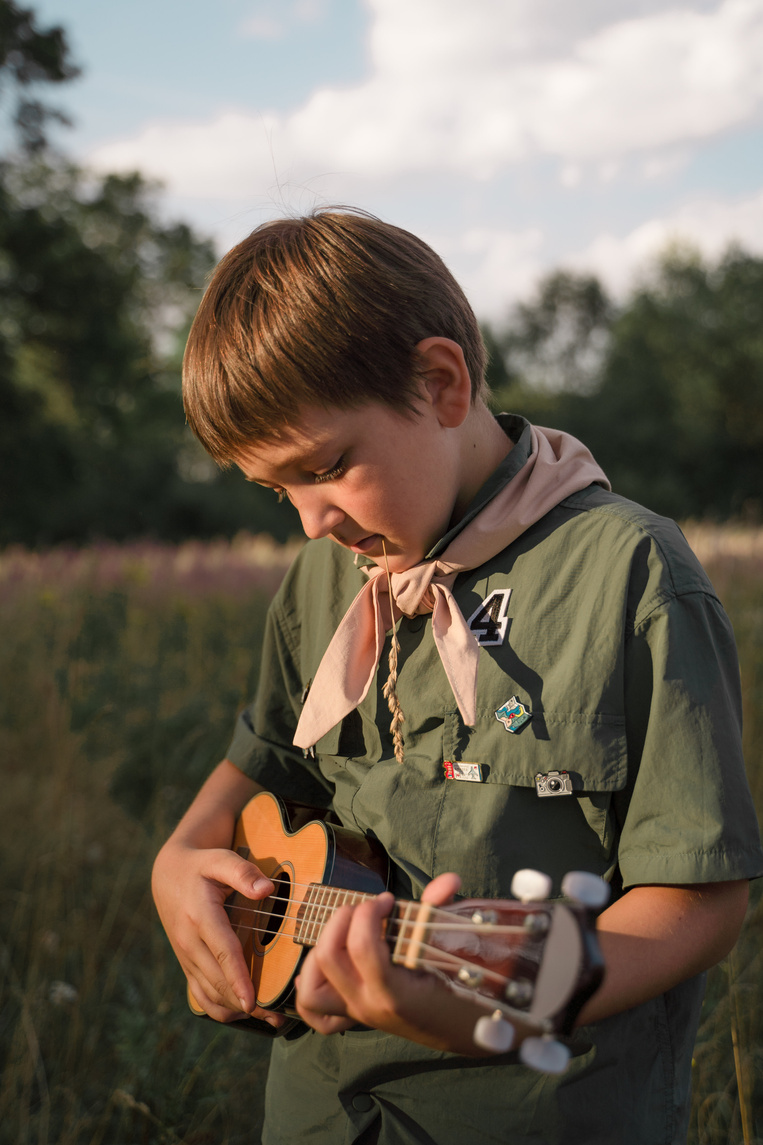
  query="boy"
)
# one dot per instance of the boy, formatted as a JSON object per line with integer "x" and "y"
{"x": 335, "y": 360}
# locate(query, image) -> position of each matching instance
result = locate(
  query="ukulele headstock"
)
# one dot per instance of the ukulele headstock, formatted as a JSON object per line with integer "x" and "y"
{"x": 534, "y": 962}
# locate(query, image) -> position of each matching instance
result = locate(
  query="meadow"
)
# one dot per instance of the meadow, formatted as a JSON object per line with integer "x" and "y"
{"x": 121, "y": 669}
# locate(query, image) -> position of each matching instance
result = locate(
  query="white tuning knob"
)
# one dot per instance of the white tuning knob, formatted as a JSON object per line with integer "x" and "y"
{"x": 587, "y": 889}
{"x": 530, "y": 886}
{"x": 494, "y": 1033}
{"x": 544, "y": 1054}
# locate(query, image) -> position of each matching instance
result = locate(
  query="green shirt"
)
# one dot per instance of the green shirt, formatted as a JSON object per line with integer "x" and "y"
{"x": 601, "y": 622}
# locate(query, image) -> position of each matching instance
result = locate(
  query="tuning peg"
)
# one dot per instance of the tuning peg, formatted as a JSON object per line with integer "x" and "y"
{"x": 530, "y": 886}
{"x": 544, "y": 1054}
{"x": 494, "y": 1033}
{"x": 587, "y": 889}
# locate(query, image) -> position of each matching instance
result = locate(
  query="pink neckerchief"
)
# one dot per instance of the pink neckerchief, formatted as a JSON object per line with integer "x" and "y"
{"x": 558, "y": 465}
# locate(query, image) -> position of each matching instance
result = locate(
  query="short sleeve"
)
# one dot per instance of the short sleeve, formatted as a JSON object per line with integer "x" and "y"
{"x": 686, "y": 814}
{"x": 262, "y": 741}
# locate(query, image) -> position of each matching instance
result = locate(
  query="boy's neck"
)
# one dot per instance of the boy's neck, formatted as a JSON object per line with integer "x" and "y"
{"x": 484, "y": 447}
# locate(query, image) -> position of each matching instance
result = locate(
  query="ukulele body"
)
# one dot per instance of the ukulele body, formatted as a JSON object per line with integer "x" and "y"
{"x": 297, "y": 849}
{"x": 536, "y": 961}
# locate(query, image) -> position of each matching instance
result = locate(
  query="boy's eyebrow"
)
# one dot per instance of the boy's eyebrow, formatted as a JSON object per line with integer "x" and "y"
{"x": 304, "y": 455}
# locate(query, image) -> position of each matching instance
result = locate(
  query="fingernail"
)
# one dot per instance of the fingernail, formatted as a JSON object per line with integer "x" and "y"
{"x": 274, "y": 1022}
{"x": 244, "y": 1005}
{"x": 260, "y": 886}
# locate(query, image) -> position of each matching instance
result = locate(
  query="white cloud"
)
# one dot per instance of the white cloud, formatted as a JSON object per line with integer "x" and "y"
{"x": 262, "y": 27}
{"x": 493, "y": 265}
{"x": 471, "y": 88}
{"x": 271, "y": 20}
{"x": 498, "y": 267}
{"x": 710, "y": 225}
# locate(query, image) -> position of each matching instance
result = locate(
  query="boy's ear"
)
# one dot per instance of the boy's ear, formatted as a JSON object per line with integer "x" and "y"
{"x": 446, "y": 378}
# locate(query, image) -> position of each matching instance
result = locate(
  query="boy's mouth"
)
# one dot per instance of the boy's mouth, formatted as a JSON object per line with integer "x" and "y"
{"x": 364, "y": 545}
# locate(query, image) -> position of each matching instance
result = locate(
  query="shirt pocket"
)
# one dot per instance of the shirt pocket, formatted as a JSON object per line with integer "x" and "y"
{"x": 489, "y": 829}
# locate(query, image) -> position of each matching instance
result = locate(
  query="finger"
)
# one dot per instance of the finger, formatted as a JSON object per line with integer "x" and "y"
{"x": 367, "y": 946}
{"x": 221, "y": 964}
{"x": 232, "y": 872}
{"x": 441, "y": 891}
{"x": 314, "y": 991}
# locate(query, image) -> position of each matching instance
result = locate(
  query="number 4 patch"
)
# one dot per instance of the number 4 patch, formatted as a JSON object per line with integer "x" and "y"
{"x": 490, "y": 621}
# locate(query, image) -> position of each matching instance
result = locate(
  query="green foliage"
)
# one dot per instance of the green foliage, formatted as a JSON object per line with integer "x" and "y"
{"x": 96, "y": 295}
{"x": 29, "y": 56}
{"x": 667, "y": 391}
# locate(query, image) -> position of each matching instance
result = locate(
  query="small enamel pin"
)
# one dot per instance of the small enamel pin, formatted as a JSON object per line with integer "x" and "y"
{"x": 472, "y": 772}
{"x": 555, "y": 783}
{"x": 513, "y": 715}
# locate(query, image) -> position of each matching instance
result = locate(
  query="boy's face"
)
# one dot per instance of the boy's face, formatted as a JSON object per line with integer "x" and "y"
{"x": 367, "y": 474}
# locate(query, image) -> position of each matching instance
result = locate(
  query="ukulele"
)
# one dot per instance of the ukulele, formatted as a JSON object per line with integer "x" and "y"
{"x": 527, "y": 959}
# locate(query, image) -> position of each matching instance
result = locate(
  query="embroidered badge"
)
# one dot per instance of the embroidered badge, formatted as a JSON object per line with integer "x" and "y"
{"x": 469, "y": 771}
{"x": 555, "y": 783}
{"x": 513, "y": 715}
{"x": 490, "y": 621}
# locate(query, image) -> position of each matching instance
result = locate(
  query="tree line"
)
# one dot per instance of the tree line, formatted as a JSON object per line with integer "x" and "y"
{"x": 665, "y": 388}
{"x": 97, "y": 291}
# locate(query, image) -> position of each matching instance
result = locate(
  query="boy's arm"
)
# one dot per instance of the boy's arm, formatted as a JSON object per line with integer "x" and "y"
{"x": 652, "y": 938}
{"x": 193, "y": 874}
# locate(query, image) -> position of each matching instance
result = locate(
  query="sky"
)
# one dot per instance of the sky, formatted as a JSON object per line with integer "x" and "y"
{"x": 517, "y": 137}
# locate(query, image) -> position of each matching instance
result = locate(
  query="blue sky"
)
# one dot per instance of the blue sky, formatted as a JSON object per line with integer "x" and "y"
{"x": 516, "y": 136}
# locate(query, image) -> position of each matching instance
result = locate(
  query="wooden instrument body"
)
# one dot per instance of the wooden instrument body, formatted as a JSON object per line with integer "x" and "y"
{"x": 533, "y": 961}
{"x": 296, "y": 850}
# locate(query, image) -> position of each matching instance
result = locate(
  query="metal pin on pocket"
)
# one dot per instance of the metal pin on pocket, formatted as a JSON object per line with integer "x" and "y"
{"x": 472, "y": 772}
{"x": 553, "y": 783}
{"x": 513, "y": 715}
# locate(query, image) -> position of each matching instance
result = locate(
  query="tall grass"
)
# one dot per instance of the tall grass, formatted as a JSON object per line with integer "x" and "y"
{"x": 728, "y": 1057}
{"x": 120, "y": 669}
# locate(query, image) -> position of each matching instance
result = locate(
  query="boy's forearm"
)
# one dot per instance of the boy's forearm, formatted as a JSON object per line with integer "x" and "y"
{"x": 210, "y": 819}
{"x": 657, "y": 936}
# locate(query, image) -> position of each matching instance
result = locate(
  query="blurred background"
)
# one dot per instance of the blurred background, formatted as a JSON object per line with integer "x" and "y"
{"x": 592, "y": 174}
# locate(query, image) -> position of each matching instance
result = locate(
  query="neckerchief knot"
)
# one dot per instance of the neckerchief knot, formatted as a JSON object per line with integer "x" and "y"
{"x": 557, "y": 466}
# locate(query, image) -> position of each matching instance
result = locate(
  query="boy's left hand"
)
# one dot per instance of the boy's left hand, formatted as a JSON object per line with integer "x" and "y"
{"x": 349, "y": 978}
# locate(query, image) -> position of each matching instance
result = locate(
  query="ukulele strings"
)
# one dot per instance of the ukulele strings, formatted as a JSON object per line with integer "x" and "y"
{"x": 434, "y": 958}
{"x": 320, "y": 912}
{"x": 450, "y": 922}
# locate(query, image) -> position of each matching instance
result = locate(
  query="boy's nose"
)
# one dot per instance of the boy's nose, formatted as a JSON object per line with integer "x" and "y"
{"x": 317, "y": 512}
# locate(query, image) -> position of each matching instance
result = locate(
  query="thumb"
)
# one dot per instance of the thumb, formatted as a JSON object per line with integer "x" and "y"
{"x": 442, "y": 890}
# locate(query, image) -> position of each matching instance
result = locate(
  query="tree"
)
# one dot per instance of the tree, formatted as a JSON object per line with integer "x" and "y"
{"x": 96, "y": 293}
{"x": 678, "y": 415}
{"x": 667, "y": 389}
{"x": 30, "y": 56}
{"x": 558, "y": 340}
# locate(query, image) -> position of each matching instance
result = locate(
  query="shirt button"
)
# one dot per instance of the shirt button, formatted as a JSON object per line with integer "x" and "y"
{"x": 416, "y": 623}
{"x": 363, "y": 1102}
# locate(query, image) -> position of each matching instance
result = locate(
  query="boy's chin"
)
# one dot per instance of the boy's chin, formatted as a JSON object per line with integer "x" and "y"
{"x": 397, "y": 562}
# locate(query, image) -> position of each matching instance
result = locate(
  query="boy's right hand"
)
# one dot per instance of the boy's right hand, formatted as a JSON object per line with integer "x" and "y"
{"x": 191, "y": 880}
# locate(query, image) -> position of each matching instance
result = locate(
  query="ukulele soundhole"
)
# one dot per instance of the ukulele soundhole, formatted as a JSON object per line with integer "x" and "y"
{"x": 278, "y": 903}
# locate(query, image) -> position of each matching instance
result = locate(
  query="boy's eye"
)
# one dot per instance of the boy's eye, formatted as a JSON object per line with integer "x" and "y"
{"x": 331, "y": 474}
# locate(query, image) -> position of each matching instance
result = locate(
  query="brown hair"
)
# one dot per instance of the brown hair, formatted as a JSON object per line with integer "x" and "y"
{"x": 325, "y": 309}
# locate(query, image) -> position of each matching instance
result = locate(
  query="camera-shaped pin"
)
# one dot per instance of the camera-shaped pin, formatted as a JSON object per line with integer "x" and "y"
{"x": 554, "y": 783}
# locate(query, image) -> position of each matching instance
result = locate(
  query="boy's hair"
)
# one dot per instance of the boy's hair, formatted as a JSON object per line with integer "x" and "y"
{"x": 325, "y": 309}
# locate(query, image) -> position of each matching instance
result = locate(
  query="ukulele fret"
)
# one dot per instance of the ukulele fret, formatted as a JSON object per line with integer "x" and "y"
{"x": 316, "y": 909}
{"x": 414, "y": 921}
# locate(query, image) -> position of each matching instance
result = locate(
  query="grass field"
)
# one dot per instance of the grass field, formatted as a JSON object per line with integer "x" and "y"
{"x": 120, "y": 669}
